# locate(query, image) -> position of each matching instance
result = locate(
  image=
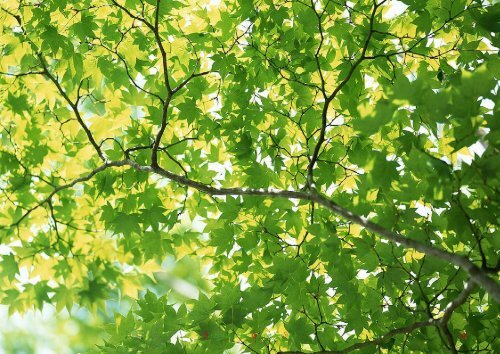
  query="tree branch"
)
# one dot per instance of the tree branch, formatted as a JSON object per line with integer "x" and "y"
{"x": 161, "y": 48}
{"x": 329, "y": 99}
{"x": 442, "y": 323}
{"x": 189, "y": 78}
{"x": 69, "y": 185}
{"x": 23, "y": 74}
{"x": 163, "y": 126}
{"x": 73, "y": 105}
{"x": 380, "y": 340}
{"x": 470, "y": 286}
{"x": 477, "y": 275}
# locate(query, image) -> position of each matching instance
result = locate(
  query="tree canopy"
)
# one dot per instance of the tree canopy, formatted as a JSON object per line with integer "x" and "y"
{"x": 322, "y": 174}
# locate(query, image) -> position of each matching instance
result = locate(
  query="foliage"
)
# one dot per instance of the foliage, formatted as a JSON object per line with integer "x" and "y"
{"x": 330, "y": 167}
{"x": 47, "y": 332}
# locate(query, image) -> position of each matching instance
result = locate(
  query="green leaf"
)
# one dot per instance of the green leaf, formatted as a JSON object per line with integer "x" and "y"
{"x": 9, "y": 267}
{"x": 297, "y": 144}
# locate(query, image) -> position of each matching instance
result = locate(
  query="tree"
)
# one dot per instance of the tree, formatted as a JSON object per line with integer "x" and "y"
{"x": 331, "y": 166}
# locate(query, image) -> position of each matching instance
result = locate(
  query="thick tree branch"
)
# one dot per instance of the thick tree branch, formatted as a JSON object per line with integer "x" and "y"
{"x": 477, "y": 275}
{"x": 159, "y": 43}
{"x": 442, "y": 323}
{"x": 163, "y": 126}
{"x": 469, "y": 288}
{"x": 23, "y": 74}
